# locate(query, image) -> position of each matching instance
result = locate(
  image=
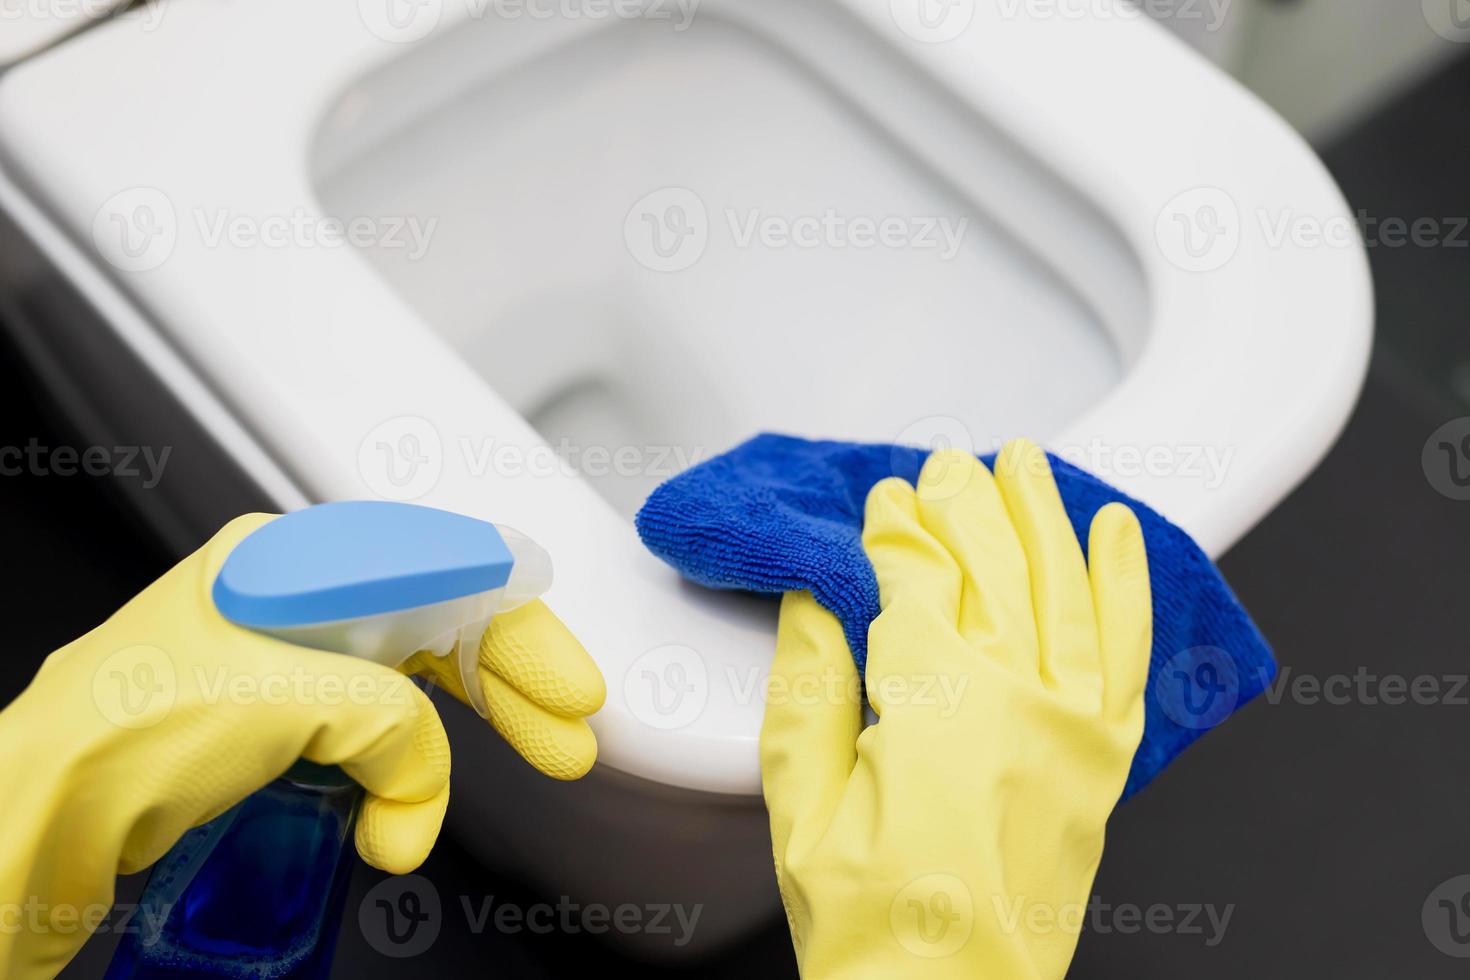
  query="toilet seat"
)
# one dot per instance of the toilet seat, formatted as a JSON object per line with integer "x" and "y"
{"x": 294, "y": 357}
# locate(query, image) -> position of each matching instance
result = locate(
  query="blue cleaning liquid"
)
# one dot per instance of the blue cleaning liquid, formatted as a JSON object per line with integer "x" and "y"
{"x": 255, "y": 893}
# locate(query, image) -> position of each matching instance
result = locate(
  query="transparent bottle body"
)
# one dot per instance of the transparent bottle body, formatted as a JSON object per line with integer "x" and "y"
{"x": 257, "y": 892}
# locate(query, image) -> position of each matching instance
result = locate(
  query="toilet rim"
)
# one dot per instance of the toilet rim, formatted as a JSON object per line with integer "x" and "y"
{"x": 1287, "y": 322}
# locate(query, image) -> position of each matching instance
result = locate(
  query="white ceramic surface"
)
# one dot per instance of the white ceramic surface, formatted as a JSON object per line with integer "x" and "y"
{"x": 28, "y": 26}
{"x": 1131, "y": 286}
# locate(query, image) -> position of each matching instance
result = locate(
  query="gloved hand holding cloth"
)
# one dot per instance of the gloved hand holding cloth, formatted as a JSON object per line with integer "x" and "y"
{"x": 1008, "y": 676}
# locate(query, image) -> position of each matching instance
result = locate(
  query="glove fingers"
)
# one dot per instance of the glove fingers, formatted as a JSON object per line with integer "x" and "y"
{"x": 534, "y": 652}
{"x": 560, "y": 747}
{"x": 813, "y": 717}
{"x": 396, "y": 837}
{"x": 961, "y": 506}
{"x": 439, "y": 671}
{"x": 384, "y": 733}
{"x": 918, "y": 583}
{"x": 1060, "y": 592}
{"x": 1120, "y": 594}
{"x": 912, "y": 567}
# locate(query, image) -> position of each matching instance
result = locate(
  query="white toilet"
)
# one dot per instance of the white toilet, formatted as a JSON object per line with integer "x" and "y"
{"x": 637, "y": 240}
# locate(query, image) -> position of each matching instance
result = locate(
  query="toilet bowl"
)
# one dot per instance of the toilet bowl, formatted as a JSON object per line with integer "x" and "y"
{"x": 525, "y": 261}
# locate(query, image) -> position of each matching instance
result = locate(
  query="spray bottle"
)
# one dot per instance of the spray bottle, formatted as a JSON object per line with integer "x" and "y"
{"x": 258, "y": 891}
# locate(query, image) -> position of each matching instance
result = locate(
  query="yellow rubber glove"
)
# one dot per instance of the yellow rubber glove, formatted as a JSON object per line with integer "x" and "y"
{"x": 167, "y": 715}
{"x": 959, "y": 836}
{"x": 539, "y": 684}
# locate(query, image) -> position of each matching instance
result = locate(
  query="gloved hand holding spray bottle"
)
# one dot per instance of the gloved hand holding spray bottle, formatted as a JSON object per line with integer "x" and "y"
{"x": 211, "y": 688}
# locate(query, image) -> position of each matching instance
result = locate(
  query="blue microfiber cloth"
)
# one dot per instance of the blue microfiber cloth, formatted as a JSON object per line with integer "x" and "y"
{"x": 777, "y": 514}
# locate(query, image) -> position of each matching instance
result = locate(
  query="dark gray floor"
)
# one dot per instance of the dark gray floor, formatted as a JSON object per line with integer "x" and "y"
{"x": 1321, "y": 828}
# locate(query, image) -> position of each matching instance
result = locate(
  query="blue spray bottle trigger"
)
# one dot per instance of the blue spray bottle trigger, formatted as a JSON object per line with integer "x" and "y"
{"x": 381, "y": 581}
